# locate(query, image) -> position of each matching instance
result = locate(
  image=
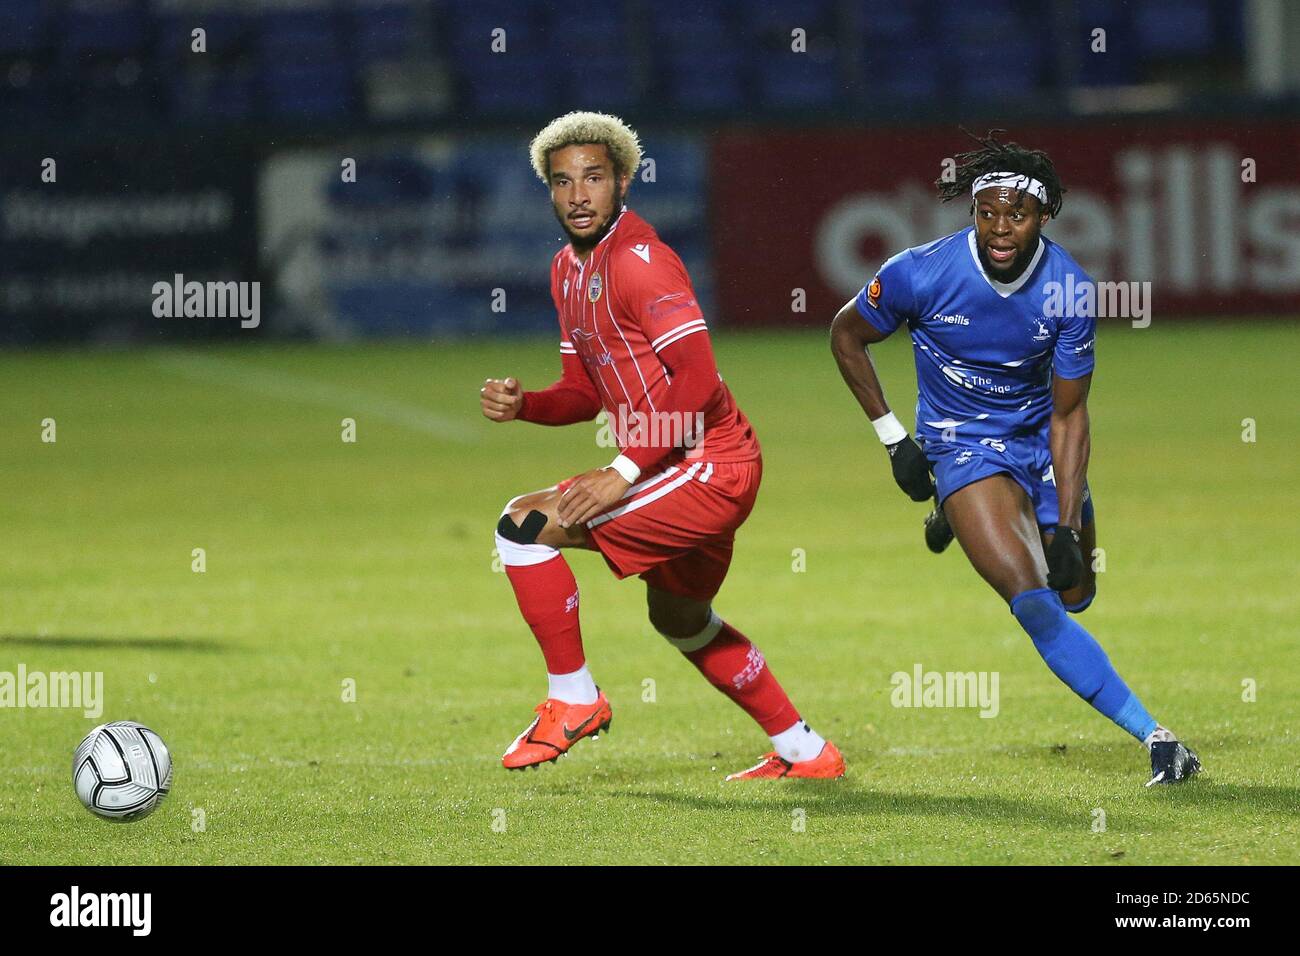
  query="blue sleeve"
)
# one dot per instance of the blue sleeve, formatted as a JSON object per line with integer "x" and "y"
{"x": 1076, "y": 338}
{"x": 887, "y": 301}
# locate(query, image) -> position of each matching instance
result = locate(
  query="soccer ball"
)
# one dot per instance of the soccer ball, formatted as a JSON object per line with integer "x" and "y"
{"x": 122, "y": 770}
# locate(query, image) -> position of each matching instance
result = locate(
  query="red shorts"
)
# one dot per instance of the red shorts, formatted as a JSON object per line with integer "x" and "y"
{"x": 676, "y": 528}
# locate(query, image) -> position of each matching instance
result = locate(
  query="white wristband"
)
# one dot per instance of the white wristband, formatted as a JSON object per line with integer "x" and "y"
{"x": 889, "y": 429}
{"x": 627, "y": 468}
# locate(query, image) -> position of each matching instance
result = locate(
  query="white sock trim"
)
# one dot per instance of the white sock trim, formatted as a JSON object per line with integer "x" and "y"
{"x": 694, "y": 643}
{"x": 519, "y": 555}
{"x": 1160, "y": 733}
{"x": 798, "y": 742}
{"x": 576, "y": 687}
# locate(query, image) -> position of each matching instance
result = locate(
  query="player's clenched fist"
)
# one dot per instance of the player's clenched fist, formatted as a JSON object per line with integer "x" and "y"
{"x": 501, "y": 398}
{"x": 911, "y": 470}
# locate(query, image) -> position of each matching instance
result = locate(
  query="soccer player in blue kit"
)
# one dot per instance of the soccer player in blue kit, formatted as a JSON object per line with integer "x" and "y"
{"x": 1003, "y": 368}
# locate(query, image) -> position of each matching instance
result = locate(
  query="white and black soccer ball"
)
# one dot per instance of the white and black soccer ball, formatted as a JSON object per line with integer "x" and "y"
{"x": 122, "y": 770}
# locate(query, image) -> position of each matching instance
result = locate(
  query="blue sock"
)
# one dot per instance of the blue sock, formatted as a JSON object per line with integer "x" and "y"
{"x": 1077, "y": 659}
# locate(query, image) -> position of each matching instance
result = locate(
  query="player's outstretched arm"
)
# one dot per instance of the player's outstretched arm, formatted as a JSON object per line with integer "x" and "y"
{"x": 1071, "y": 444}
{"x": 850, "y": 338}
{"x": 571, "y": 399}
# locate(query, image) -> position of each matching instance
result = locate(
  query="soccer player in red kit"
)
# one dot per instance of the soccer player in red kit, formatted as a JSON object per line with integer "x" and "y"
{"x": 634, "y": 342}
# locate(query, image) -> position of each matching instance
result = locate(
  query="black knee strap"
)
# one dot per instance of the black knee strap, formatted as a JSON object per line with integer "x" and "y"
{"x": 525, "y": 532}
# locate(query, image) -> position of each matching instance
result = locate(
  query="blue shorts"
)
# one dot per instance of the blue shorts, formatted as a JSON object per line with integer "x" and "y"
{"x": 1027, "y": 460}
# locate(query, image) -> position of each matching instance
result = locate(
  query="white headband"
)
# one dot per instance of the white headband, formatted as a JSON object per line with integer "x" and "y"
{"x": 1014, "y": 181}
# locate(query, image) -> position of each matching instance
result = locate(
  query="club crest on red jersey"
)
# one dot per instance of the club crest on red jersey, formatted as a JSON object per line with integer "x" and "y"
{"x": 594, "y": 288}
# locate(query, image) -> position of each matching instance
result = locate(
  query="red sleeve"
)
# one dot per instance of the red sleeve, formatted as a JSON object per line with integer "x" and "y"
{"x": 653, "y": 286}
{"x": 694, "y": 389}
{"x": 572, "y": 399}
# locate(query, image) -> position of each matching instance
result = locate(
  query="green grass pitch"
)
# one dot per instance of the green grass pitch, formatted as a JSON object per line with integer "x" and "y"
{"x": 372, "y": 562}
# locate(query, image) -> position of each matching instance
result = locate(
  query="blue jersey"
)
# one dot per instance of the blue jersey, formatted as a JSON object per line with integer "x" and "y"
{"x": 985, "y": 350}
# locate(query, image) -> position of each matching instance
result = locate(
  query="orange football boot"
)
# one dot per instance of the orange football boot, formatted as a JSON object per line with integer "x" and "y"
{"x": 556, "y": 728}
{"x": 827, "y": 765}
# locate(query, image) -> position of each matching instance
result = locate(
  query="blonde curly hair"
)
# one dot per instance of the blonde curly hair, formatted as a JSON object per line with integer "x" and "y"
{"x": 581, "y": 127}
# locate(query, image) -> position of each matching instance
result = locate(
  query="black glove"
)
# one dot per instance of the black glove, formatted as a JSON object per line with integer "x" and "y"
{"x": 1064, "y": 559}
{"x": 911, "y": 470}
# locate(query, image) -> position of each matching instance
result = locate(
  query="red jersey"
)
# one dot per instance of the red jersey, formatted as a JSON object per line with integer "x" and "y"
{"x": 618, "y": 311}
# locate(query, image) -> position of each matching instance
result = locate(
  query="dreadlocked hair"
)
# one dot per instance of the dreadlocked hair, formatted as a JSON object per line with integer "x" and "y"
{"x": 994, "y": 157}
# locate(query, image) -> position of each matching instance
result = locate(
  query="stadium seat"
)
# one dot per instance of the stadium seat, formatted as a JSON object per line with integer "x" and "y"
{"x": 381, "y": 32}
{"x": 1119, "y": 64}
{"x": 397, "y": 178}
{"x": 602, "y": 81}
{"x": 707, "y": 84}
{"x": 994, "y": 18}
{"x": 35, "y": 100}
{"x": 309, "y": 35}
{"x": 103, "y": 26}
{"x": 227, "y": 93}
{"x": 228, "y": 31}
{"x": 510, "y": 82}
{"x": 694, "y": 28}
{"x": 898, "y": 72}
{"x": 883, "y": 21}
{"x": 24, "y": 26}
{"x": 593, "y": 63}
{"x": 799, "y": 79}
{"x": 986, "y": 72}
{"x": 604, "y": 30}
{"x": 308, "y": 90}
{"x": 471, "y": 24}
{"x": 764, "y": 16}
{"x": 1180, "y": 28}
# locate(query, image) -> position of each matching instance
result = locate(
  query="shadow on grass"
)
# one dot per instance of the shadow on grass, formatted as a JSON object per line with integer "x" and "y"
{"x": 831, "y": 798}
{"x": 1239, "y": 796}
{"x": 116, "y": 643}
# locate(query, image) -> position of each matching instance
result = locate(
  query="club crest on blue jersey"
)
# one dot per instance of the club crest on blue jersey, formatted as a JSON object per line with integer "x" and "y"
{"x": 873, "y": 293}
{"x": 594, "y": 288}
{"x": 1040, "y": 330}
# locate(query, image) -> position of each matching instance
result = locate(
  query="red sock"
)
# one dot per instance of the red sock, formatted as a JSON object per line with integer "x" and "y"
{"x": 548, "y": 599}
{"x": 733, "y": 665}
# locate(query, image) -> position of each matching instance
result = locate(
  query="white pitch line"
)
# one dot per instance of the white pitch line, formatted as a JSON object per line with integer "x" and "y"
{"x": 275, "y": 384}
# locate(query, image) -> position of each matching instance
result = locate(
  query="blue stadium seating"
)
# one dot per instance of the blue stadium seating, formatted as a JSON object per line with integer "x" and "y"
{"x": 788, "y": 79}
{"x": 227, "y": 30}
{"x": 511, "y": 82}
{"x": 1179, "y": 28}
{"x": 998, "y": 72}
{"x": 888, "y": 20}
{"x": 308, "y": 90}
{"x": 309, "y": 35}
{"x": 281, "y": 58}
{"x": 381, "y": 32}
{"x": 226, "y": 93}
{"x": 811, "y": 15}
{"x": 711, "y": 82}
{"x": 24, "y": 26}
{"x": 1119, "y": 64}
{"x": 900, "y": 72}
{"x": 104, "y": 26}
